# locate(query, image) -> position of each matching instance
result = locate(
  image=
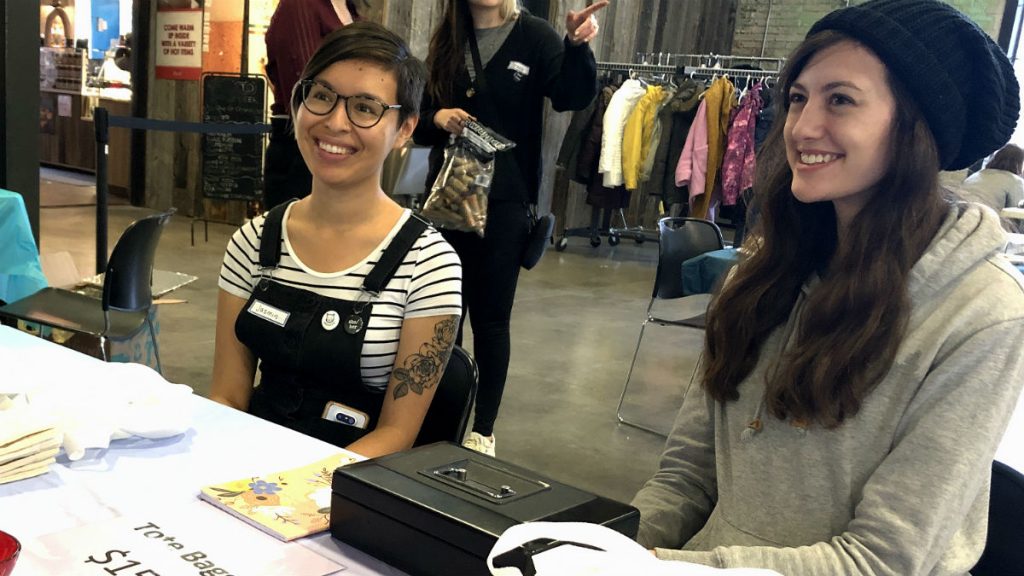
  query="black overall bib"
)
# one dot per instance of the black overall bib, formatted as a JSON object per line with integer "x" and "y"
{"x": 309, "y": 346}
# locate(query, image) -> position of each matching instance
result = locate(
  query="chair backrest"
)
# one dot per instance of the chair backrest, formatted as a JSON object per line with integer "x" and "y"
{"x": 448, "y": 415}
{"x": 127, "y": 284}
{"x": 679, "y": 240}
{"x": 1004, "y": 547}
{"x": 408, "y": 173}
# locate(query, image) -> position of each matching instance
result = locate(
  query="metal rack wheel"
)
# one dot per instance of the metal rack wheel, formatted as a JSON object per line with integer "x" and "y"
{"x": 562, "y": 244}
{"x": 639, "y": 239}
{"x": 595, "y": 241}
{"x": 614, "y": 240}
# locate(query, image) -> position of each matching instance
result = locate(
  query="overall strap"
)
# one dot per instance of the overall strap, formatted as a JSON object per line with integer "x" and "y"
{"x": 393, "y": 255}
{"x": 270, "y": 239}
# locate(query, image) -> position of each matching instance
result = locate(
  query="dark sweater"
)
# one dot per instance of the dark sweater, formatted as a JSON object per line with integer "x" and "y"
{"x": 564, "y": 73}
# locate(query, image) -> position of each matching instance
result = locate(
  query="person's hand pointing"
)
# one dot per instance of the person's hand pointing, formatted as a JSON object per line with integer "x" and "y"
{"x": 581, "y": 27}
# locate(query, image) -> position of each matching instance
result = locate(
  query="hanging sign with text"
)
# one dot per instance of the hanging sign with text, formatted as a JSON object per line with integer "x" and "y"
{"x": 178, "y": 45}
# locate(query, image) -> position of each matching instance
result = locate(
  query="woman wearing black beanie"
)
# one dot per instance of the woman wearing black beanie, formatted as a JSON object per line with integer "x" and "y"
{"x": 863, "y": 361}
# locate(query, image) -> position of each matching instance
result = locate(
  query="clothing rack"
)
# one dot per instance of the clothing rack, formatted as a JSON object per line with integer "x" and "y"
{"x": 710, "y": 60}
{"x": 597, "y": 228}
{"x": 695, "y": 66}
{"x": 702, "y": 72}
{"x": 626, "y": 67}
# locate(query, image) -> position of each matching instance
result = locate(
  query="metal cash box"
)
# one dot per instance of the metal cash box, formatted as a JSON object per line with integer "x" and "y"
{"x": 439, "y": 509}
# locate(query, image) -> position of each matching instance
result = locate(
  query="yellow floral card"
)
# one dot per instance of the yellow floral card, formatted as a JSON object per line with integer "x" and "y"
{"x": 288, "y": 504}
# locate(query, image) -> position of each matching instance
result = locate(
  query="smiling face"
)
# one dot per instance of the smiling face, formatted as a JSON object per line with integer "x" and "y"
{"x": 339, "y": 154}
{"x": 839, "y": 127}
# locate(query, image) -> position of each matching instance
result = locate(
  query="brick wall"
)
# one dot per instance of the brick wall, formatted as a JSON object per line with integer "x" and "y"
{"x": 790, "y": 20}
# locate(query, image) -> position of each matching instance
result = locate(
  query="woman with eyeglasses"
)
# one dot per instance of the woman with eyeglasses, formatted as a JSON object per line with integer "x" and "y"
{"x": 524, "y": 61}
{"x": 345, "y": 302}
{"x": 296, "y": 29}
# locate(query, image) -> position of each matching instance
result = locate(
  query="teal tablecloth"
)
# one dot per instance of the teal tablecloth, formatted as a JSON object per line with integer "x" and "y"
{"x": 20, "y": 272}
{"x": 701, "y": 273}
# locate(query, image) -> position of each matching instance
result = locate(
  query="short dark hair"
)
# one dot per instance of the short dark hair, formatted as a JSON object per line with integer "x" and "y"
{"x": 1009, "y": 158}
{"x": 372, "y": 42}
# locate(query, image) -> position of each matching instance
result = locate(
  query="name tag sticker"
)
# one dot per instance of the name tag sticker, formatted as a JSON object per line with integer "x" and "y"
{"x": 519, "y": 68}
{"x": 269, "y": 313}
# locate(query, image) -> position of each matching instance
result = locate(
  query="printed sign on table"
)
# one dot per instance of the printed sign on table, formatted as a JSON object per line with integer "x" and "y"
{"x": 189, "y": 541}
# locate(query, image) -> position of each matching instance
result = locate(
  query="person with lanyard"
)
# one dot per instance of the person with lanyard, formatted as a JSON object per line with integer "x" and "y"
{"x": 523, "y": 61}
{"x": 296, "y": 29}
{"x": 863, "y": 360}
{"x": 346, "y": 303}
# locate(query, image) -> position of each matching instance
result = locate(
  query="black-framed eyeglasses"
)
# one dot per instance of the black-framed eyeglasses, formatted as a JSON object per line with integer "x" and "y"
{"x": 363, "y": 111}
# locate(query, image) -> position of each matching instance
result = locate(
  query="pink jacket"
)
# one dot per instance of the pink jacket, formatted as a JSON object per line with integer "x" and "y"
{"x": 692, "y": 168}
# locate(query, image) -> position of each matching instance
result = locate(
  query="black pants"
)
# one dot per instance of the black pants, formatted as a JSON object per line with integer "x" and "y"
{"x": 285, "y": 174}
{"x": 490, "y": 271}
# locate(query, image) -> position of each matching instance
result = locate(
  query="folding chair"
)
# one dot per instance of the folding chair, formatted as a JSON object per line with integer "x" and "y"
{"x": 127, "y": 293}
{"x": 654, "y": 386}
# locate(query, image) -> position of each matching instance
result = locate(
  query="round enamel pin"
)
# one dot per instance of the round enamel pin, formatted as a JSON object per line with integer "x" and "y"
{"x": 330, "y": 320}
{"x": 354, "y": 324}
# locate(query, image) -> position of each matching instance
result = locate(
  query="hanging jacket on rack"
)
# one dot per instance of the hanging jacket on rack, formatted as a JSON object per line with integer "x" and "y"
{"x": 692, "y": 169}
{"x": 657, "y": 133}
{"x": 572, "y": 143}
{"x": 720, "y": 99}
{"x": 738, "y": 163}
{"x": 590, "y": 144}
{"x": 676, "y": 116}
{"x": 766, "y": 118}
{"x": 590, "y": 151}
{"x": 621, "y": 105}
{"x": 637, "y": 135}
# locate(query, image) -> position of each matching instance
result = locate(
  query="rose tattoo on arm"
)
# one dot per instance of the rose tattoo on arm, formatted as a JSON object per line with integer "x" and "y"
{"x": 422, "y": 370}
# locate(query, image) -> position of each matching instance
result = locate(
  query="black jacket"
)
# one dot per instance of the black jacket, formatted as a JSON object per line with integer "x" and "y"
{"x": 564, "y": 73}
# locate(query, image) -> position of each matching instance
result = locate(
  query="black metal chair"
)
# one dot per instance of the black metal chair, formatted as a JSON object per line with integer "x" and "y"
{"x": 448, "y": 415}
{"x": 661, "y": 392}
{"x": 1004, "y": 547}
{"x": 126, "y": 299}
{"x": 405, "y": 174}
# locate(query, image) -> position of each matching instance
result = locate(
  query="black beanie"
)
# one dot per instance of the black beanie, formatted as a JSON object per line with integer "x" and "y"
{"x": 960, "y": 79}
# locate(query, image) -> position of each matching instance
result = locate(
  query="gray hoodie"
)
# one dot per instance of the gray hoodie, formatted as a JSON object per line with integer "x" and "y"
{"x": 901, "y": 488}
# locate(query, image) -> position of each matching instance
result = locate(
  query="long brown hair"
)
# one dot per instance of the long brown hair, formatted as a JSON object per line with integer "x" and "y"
{"x": 446, "y": 57}
{"x": 852, "y": 323}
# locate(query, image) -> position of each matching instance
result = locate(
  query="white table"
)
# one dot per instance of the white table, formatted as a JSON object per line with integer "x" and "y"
{"x": 223, "y": 444}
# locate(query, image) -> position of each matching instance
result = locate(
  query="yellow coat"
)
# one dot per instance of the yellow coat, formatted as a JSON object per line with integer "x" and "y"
{"x": 639, "y": 134}
{"x": 721, "y": 99}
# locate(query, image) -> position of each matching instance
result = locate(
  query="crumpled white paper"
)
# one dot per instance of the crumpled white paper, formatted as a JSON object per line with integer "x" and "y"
{"x": 619, "y": 554}
{"x": 92, "y": 403}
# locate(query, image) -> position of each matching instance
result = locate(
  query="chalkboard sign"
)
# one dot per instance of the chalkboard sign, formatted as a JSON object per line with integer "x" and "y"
{"x": 233, "y": 163}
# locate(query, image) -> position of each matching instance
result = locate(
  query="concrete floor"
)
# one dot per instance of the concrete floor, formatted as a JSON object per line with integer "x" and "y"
{"x": 575, "y": 326}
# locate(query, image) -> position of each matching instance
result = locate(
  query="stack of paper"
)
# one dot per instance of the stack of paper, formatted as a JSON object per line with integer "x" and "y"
{"x": 28, "y": 443}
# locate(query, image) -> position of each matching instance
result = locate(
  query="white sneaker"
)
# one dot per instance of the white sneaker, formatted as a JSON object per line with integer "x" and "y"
{"x": 480, "y": 443}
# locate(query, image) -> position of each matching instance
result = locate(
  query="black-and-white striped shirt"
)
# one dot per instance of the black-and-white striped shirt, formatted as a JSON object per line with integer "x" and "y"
{"x": 427, "y": 283}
